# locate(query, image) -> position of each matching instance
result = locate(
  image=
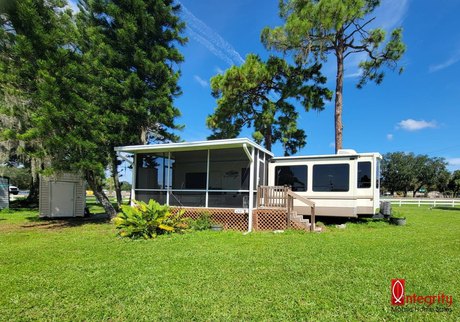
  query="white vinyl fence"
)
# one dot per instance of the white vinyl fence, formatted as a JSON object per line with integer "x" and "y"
{"x": 424, "y": 202}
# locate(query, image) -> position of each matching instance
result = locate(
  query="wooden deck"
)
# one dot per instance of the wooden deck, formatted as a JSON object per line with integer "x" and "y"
{"x": 282, "y": 197}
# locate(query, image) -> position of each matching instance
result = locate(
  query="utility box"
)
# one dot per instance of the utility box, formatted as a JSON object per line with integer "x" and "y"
{"x": 62, "y": 195}
{"x": 4, "y": 192}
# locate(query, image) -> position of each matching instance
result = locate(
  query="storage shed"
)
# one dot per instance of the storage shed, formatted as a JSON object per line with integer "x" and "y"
{"x": 62, "y": 195}
{"x": 4, "y": 192}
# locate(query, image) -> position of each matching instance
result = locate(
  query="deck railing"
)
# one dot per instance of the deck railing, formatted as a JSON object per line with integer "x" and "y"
{"x": 283, "y": 197}
{"x": 272, "y": 196}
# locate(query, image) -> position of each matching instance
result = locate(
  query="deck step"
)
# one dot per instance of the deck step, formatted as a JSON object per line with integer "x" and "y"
{"x": 299, "y": 221}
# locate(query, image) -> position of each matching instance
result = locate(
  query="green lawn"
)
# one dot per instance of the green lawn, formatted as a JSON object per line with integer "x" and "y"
{"x": 74, "y": 270}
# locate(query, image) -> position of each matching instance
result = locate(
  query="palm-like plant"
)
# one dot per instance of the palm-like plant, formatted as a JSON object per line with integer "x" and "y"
{"x": 146, "y": 220}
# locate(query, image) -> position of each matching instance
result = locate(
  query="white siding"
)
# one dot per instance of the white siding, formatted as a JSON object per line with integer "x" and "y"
{"x": 4, "y": 193}
{"x": 45, "y": 195}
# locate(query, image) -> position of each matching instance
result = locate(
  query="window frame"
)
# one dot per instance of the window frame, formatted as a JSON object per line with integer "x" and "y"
{"x": 293, "y": 188}
{"x": 317, "y": 166}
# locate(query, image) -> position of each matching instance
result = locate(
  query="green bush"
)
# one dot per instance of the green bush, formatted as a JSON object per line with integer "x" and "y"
{"x": 147, "y": 220}
{"x": 203, "y": 222}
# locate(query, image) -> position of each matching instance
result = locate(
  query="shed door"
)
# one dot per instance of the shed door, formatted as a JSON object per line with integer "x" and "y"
{"x": 62, "y": 199}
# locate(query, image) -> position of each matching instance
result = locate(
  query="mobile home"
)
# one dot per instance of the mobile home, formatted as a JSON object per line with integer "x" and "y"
{"x": 226, "y": 177}
{"x": 345, "y": 184}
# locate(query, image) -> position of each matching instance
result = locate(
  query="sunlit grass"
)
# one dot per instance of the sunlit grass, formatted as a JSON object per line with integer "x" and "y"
{"x": 80, "y": 270}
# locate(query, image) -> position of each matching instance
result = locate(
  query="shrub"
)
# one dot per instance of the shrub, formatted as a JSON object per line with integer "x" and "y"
{"x": 203, "y": 222}
{"x": 147, "y": 220}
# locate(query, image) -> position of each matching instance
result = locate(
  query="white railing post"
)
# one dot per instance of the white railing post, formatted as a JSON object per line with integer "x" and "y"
{"x": 400, "y": 202}
{"x": 419, "y": 202}
{"x": 434, "y": 203}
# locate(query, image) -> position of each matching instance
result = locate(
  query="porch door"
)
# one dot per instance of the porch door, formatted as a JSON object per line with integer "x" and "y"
{"x": 62, "y": 199}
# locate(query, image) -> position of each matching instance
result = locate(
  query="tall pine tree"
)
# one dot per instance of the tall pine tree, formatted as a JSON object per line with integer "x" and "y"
{"x": 133, "y": 47}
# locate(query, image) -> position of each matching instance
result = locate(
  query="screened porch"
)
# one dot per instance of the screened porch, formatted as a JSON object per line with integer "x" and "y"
{"x": 219, "y": 174}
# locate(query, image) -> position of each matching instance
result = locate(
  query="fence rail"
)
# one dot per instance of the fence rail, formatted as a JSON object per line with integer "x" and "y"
{"x": 424, "y": 202}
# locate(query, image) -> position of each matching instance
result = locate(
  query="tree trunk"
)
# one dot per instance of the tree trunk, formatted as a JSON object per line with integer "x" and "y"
{"x": 338, "y": 99}
{"x": 268, "y": 138}
{"x": 95, "y": 184}
{"x": 34, "y": 189}
{"x": 116, "y": 179}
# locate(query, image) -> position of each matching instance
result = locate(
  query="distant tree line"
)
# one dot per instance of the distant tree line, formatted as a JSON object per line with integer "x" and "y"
{"x": 404, "y": 172}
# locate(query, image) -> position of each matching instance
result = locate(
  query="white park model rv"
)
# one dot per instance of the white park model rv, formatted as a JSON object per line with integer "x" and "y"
{"x": 343, "y": 184}
{"x": 237, "y": 177}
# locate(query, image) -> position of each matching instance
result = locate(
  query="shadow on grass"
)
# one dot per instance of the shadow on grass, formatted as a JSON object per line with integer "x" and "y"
{"x": 344, "y": 220}
{"x": 23, "y": 204}
{"x": 363, "y": 222}
{"x": 60, "y": 223}
{"x": 447, "y": 208}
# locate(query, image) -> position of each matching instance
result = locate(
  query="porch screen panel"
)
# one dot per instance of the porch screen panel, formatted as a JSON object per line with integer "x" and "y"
{"x": 262, "y": 175}
{"x": 151, "y": 171}
{"x": 189, "y": 170}
{"x": 229, "y": 199}
{"x": 186, "y": 198}
{"x": 228, "y": 170}
{"x": 158, "y": 196}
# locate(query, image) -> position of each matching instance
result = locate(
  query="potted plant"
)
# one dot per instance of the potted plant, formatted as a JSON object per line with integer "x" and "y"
{"x": 216, "y": 227}
{"x": 397, "y": 219}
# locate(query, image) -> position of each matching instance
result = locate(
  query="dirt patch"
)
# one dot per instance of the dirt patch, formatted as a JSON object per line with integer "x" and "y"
{"x": 53, "y": 224}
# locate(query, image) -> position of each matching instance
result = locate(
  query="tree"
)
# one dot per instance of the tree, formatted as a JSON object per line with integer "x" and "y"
{"x": 397, "y": 170}
{"x": 408, "y": 172}
{"x": 19, "y": 176}
{"x": 64, "y": 82}
{"x": 133, "y": 47}
{"x": 317, "y": 28}
{"x": 429, "y": 173}
{"x": 32, "y": 36}
{"x": 454, "y": 183}
{"x": 260, "y": 95}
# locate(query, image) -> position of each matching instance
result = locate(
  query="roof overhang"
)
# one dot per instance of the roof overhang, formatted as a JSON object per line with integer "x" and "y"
{"x": 192, "y": 146}
{"x": 328, "y": 156}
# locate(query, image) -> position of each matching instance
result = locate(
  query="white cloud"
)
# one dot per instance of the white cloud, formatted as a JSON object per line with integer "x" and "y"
{"x": 210, "y": 39}
{"x": 414, "y": 125}
{"x": 454, "y": 161}
{"x": 391, "y": 13}
{"x": 200, "y": 81}
{"x": 454, "y": 58}
{"x": 389, "y": 137}
{"x": 219, "y": 70}
{"x": 332, "y": 145}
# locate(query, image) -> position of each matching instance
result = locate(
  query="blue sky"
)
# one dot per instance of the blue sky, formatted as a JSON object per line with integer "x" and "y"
{"x": 418, "y": 111}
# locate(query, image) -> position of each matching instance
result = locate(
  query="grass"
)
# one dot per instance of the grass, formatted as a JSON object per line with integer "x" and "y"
{"x": 79, "y": 270}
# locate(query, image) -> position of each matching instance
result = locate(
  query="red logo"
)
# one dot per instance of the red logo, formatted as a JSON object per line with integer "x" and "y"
{"x": 397, "y": 291}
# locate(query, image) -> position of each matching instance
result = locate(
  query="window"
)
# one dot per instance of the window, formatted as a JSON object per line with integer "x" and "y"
{"x": 331, "y": 177}
{"x": 364, "y": 175}
{"x": 377, "y": 175}
{"x": 293, "y": 176}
